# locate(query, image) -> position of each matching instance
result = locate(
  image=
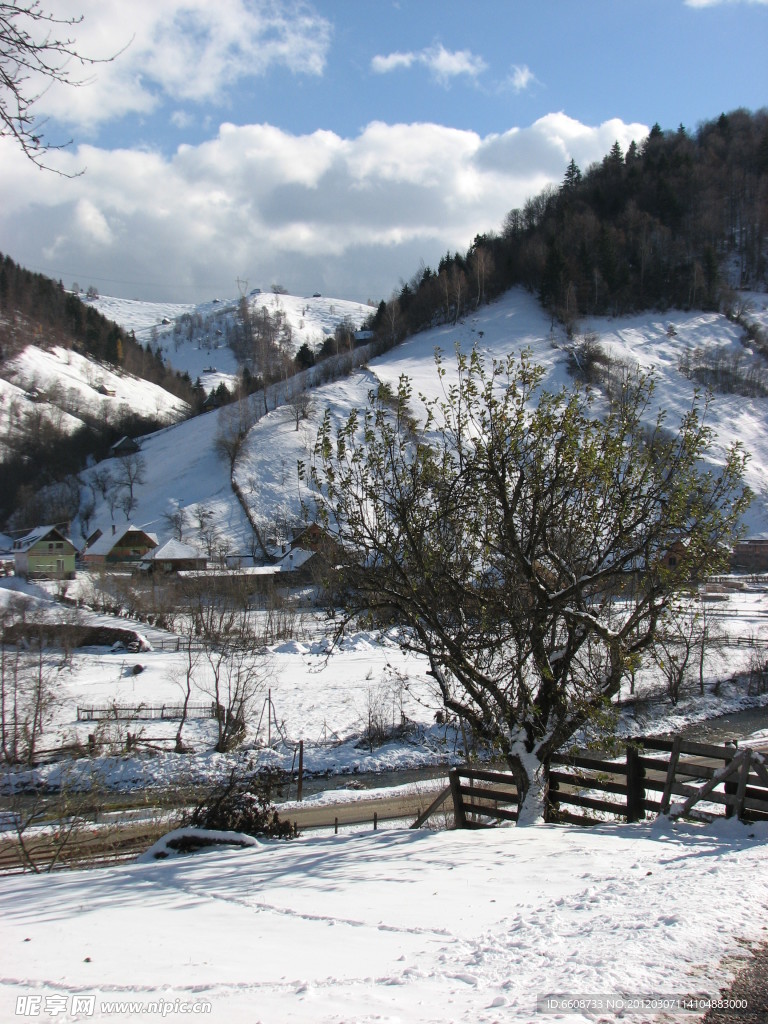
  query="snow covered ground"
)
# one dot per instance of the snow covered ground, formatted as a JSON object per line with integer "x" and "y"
{"x": 396, "y": 925}
{"x": 392, "y": 926}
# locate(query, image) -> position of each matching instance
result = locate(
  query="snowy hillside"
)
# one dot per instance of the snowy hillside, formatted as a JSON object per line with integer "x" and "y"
{"x": 60, "y": 389}
{"x": 194, "y": 338}
{"x": 653, "y": 341}
{"x": 64, "y": 389}
{"x": 182, "y": 466}
{"x": 181, "y": 470}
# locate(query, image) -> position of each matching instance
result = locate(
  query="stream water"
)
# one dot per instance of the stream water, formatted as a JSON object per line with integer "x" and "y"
{"x": 736, "y": 725}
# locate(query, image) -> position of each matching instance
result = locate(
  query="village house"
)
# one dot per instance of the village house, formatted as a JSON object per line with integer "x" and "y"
{"x": 310, "y": 538}
{"x": 310, "y": 553}
{"x": 45, "y": 552}
{"x": 750, "y": 555}
{"x": 127, "y": 544}
{"x": 675, "y": 554}
{"x": 172, "y": 557}
{"x": 125, "y": 446}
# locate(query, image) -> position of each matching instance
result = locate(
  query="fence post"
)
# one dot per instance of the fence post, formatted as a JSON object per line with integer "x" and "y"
{"x": 635, "y": 787}
{"x": 741, "y": 787}
{"x": 553, "y": 804}
{"x": 666, "y": 796}
{"x": 731, "y": 788}
{"x": 301, "y": 769}
{"x": 459, "y": 817}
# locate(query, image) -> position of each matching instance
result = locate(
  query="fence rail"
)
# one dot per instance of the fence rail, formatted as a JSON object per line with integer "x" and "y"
{"x": 136, "y": 712}
{"x": 176, "y": 643}
{"x": 758, "y": 642}
{"x": 698, "y": 781}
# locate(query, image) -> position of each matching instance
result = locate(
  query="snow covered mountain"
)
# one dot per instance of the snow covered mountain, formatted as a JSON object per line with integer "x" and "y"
{"x": 184, "y": 469}
{"x": 194, "y": 338}
{"x": 61, "y": 389}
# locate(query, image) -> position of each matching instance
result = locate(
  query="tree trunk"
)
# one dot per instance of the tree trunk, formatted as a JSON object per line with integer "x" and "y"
{"x": 532, "y": 780}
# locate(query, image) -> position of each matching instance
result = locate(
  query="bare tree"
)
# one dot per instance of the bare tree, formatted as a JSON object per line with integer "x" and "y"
{"x": 87, "y": 512}
{"x": 37, "y": 49}
{"x": 131, "y": 474}
{"x": 682, "y": 642}
{"x": 675, "y": 646}
{"x": 212, "y": 618}
{"x": 236, "y": 683}
{"x": 234, "y": 422}
{"x": 175, "y": 518}
{"x": 28, "y": 695}
{"x": 300, "y": 404}
{"x": 481, "y": 267}
{"x": 100, "y": 482}
{"x": 186, "y": 679}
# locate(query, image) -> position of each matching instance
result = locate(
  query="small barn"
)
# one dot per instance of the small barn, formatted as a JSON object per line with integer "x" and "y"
{"x": 172, "y": 557}
{"x": 128, "y": 544}
{"x": 44, "y": 553}
{"x": 125, "y": 446}
{"x": 750, "y": 555}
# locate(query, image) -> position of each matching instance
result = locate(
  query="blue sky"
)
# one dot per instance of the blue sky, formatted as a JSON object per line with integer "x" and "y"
{"x": 333, "y": 145}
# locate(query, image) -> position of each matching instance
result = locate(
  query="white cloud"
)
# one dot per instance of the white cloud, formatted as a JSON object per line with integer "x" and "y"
{"x": 521, "y": 77}
{"x": 91, "y": 223}
{"x": 181, "y": 119}
{"x": 443, "y": 64}
{"x": 391, "y": 62}
{"x": 185, "y": 50}
{"x": 446, "y": 64}
{"x": 550, "y": 143}
{"x": 345, "y": 216}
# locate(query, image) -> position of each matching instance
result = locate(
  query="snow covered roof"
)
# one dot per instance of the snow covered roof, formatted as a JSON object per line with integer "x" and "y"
{"x": 173, "y": 551}
{"x": 104, "y": 544}
{"x": 295, "y": 559}
{"x": 250, "y": 570}
{"x": 39, "y": 533}
{"x": 126, "y": 444}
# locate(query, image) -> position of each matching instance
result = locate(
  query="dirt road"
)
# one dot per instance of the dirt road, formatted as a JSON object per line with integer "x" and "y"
{"x": 122, "y": 840}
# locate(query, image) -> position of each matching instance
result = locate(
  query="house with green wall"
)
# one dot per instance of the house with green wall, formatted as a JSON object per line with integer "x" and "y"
{"x": 45, "y": 552}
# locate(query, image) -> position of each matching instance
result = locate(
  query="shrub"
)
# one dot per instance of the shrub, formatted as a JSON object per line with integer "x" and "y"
{"x": 243, "y": 804}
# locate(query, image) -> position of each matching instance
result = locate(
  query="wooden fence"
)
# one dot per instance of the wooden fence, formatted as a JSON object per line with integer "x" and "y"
{"x": 137, "y": 712}
{"x": 698, "y": 781}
